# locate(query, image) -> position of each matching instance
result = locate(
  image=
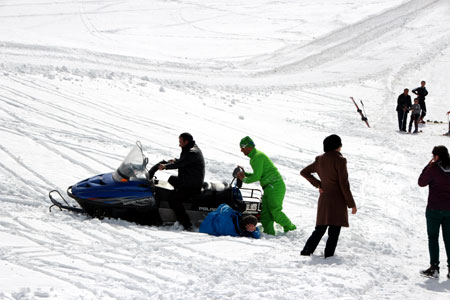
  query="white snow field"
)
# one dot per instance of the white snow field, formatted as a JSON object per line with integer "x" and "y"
{"x": 81, "y": 81}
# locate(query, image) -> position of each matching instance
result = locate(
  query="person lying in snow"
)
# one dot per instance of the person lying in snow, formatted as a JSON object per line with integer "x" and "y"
{"x": 226, "y": 221}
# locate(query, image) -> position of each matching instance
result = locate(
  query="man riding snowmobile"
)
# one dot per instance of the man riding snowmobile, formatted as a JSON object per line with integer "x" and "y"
{"x": 191, "y": 173}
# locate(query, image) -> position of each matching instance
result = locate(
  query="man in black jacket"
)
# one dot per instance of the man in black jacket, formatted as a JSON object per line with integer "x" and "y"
{"x": 421, "y": 92}
{"x": 403, "y": 106}
{"x": 191, "y": 173}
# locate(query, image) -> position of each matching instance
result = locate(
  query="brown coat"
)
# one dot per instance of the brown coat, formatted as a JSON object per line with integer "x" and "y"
{"x": 336, "y": 195}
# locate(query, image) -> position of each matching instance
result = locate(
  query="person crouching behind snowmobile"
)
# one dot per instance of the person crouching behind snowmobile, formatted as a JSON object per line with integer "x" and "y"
{"x": 226, "y": 221}
{"x": 272, "y": 183}
{"x": 437, "y": 176}
{"x": 191, "y": 173}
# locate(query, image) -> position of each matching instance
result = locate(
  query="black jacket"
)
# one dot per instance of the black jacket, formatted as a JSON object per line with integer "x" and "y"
{"x": 421, "y": 92}
{"x": 403, "y": 101}
{"x": 191, "y": 167}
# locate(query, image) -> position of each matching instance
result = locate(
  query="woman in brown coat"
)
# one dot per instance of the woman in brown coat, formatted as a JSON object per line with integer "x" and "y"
{"x": 335, "y": 195}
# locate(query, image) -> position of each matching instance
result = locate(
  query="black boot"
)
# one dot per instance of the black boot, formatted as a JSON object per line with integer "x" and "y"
{"x": 305, "y": 252}
{"x": 431, "y": 272}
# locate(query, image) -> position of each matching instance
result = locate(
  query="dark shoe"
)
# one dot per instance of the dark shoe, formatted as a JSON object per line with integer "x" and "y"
{"x": 431, "y": 272}
{"x": 415, "y": 131}
{"x": 305, "y": 253}
{"x": 190, "y": 229}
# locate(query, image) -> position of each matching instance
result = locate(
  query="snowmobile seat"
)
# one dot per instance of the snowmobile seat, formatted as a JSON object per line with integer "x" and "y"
{"x": 214, "y": 186}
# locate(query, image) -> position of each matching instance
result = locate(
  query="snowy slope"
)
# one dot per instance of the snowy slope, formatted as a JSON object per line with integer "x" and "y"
{"x": 81, "y": 81}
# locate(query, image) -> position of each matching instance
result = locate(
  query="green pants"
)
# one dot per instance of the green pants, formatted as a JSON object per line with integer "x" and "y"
{"x": 272, "y": 204}
{"x": 436, "y": 218}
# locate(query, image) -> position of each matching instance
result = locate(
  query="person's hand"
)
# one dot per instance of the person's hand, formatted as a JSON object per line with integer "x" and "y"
{"x": 161, "y": 167}
{"x": 171, "y": 161}
{"x": 354, "y": 210}
{"x": 320, "y": 190}
{"x": 250, "y": 227}
{"x": 240, "y": 175}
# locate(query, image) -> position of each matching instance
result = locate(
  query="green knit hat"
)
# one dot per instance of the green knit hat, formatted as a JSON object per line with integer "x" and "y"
{"x": 247, "y": 142}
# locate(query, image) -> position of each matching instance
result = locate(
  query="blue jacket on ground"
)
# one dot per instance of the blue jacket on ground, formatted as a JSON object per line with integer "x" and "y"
{"x": 225, "y": 221}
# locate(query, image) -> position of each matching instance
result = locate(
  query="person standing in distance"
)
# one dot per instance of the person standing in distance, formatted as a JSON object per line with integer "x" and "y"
{"x": 421, "y": 93}
{"x": 272, "y": 183}
{"x": 403, "y": 107}
{"x": 335, "y": 195}
{"x": 191, "y": 173}
{"x": 415, "y": 116}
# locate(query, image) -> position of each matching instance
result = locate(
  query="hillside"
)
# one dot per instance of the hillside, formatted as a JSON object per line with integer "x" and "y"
{"x": 81, "y": 81}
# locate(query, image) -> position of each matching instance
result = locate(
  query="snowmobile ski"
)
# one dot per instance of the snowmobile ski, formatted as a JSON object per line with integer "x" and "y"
{"x": 61, "y": 206}
{"x": 363, "y": 115}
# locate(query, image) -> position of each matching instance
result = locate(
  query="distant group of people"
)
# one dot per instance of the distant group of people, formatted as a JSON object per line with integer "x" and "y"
{"x": 418, "y": 109}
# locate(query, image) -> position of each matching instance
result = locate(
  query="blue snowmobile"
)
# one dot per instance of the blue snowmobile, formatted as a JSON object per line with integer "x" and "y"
{"x": 134, "y": 193}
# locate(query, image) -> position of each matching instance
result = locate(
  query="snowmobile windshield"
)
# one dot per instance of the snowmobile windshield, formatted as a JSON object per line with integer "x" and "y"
{"x": 133, "y": 167}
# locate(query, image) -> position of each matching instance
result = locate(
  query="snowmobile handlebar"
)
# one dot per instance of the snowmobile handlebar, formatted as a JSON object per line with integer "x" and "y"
{"x": 237, "y": 170}
{"x": 152, "y": 171}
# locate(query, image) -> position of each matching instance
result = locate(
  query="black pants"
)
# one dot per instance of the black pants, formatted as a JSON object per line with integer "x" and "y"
{"x": 402, "y": 117}
{"x": 316, "y": 236}
{"x": 181, "y": 195}
{"x": 423, "y": 107}
{"x": 414, "y": 118}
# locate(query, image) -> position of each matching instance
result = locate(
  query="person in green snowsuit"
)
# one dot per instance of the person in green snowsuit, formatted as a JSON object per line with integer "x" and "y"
{"x": 272, "y": 183}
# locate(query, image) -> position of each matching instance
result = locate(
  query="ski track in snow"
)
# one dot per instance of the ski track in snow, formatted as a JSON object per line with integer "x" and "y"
{"x": 69, "y": 112}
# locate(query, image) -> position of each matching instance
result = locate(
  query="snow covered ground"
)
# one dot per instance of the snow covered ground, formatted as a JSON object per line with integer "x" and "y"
{"x": 81, "y": 81}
